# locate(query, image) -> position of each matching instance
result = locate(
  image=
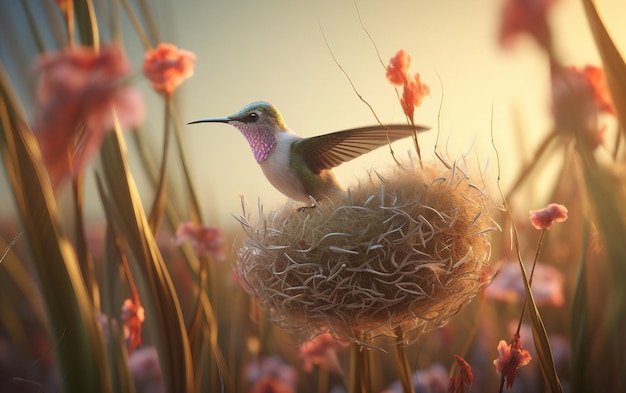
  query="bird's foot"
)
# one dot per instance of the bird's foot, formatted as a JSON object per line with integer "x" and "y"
{"x": 306, "y": 208}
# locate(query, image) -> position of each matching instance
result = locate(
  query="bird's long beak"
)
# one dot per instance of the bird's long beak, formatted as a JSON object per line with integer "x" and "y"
{"x": 211, "y": 120}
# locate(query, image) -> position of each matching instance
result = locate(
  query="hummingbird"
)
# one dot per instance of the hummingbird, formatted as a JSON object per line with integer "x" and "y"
{"x": 300, "y": 167}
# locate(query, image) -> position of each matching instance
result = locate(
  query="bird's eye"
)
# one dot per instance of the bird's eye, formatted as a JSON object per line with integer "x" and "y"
{"x": 253, "y": 117}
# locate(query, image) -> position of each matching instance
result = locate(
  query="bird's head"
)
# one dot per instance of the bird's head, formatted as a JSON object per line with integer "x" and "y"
{"x": 260, "y": 122}
{"x": 254, "y": 117}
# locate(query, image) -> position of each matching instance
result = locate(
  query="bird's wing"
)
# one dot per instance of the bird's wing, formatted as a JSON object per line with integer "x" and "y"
{"x": 329, "y": 150}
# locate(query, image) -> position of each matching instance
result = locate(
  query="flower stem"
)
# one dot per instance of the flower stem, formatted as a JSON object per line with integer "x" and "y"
{"x": 33, "y": 26}
{"x": 322, "y": 382}
{"x": 146, "y": 7}
{"x": 134, "y": 292}
{"x": 365, "y": 366}
{"x": 92, "y": 33}
{"x": 501, "y": 383}
{"x": 158, "y": 206}
{"x": 526, "y": 171}
{"x": 470, "y": 336}
{"x": 357, "y": 375}
{"x": 532, "y": 271}
{"x": 82, "y": 252}
{"x": 530, "y": 278}
{"x": 196, "y": 327}
{"x": 137, "y": 25}
{"x": 403, "y": 363}
{"x": 69, "y": 17}
{"x": 618, "y": 139}
{"x": 332, "y": 54}
{"x": 196, "y": 214}
{"x": 417, "y": 145}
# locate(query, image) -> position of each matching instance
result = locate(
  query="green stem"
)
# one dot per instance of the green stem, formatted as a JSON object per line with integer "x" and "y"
{"x": 147, "y": 16}
{"x": 195, "y": 326}
{"x": 138, "y": 29}
{"x": 158, "y": 206}
{"x": 196, "y": 214}
{"x": 618, "y": 139}
{"x": 173, "y": 216}
{"x": 87, "y": 23}
{"x": 82, "y": 252}
{"x": 530, "y": 279}
{"x": 34, "y": 27}
{"x": 217, "y": 362}
{"x": 579, "y": 320}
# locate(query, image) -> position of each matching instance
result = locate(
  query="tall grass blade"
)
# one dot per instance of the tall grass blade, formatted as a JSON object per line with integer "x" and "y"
{"x": 129, "y": 220}
{"x": 80, "y": 352}
{"x": 614, "y": 66}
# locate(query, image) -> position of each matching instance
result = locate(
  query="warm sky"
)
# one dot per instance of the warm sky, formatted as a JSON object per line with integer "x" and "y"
{"x": 274, "y": 51}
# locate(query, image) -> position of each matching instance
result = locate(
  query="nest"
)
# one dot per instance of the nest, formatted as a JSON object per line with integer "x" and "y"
{"x": 405, "y": 251}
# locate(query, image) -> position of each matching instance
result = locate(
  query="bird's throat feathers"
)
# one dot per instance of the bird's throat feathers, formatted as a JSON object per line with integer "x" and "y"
{"x": 262, "y": 142}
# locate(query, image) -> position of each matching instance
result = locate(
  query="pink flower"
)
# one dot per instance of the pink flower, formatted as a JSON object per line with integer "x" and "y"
{"x": 207, "y": 240}
{"x": 413, "y": 90}
{"x": 465, "y": 377}
{"x": 511, "y": 357}
{"x": 579, "y": 95}
{"x": 133, "y": 316}
{"x": 525, "y": 16}
{"x": 65, "y": 5}
{"x": 321, "y": 349}
{"x": 596, "y": 78}
{"x": 398, "y": 68}
{"x": 544, "y": 218}
{"x": 508, "y": 285}
{"x": 167, "y": 67}
{"x": 77, "y": 90}
{"x": 413, "y": 94}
